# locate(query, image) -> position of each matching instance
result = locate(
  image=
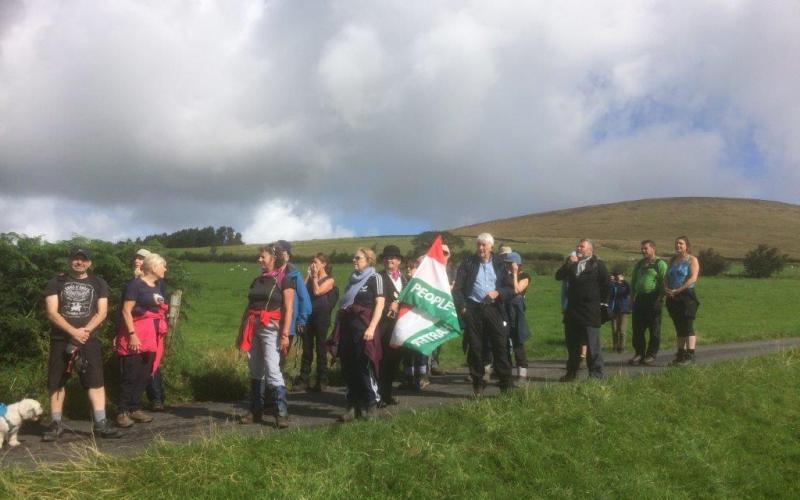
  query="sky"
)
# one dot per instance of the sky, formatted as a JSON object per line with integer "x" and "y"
{"x": 316, "y": 119}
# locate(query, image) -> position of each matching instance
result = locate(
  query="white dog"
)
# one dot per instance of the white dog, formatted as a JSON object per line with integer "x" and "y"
{"x": 27, "y": 409}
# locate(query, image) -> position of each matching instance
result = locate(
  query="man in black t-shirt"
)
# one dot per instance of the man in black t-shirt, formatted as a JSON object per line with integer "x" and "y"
{"x": 76, "y": 305}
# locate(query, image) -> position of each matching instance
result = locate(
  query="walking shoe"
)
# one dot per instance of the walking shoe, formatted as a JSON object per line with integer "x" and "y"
{"x": 158, "y": 407}
{"x": 105, "y": 430}
{"x": 635, "y": 360}
{"x": 141, "y": 417}
{"x": 53, "y": 431}
{"x": 348, "y": 416}
{"x": 522, "y": 373}
{"x": 568, "y": 377}
{"x": 648, "y": 360}
{"x": 281, "y": 422}
{"x": 252, "y": 418}
{"x": 371, "y": 413}
{"x": 424, "y": 382}
{"x": 688, "y": 359}
{"x": 124, "y": 420}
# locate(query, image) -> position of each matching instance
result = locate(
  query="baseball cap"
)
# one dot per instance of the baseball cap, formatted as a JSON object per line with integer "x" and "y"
{"x": 513, "y": 257}
{"x": 80, "y": 251}
{"x": 505, "y": 250}
{"x": 143, "y": 252}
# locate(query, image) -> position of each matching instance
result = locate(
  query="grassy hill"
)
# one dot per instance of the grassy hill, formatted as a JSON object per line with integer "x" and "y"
{"x": 731, "y": 226}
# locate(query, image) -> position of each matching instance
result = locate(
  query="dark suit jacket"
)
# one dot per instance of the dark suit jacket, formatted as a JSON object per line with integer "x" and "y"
{"x": 585, "y": 292}
{"x": 465, "y": 280}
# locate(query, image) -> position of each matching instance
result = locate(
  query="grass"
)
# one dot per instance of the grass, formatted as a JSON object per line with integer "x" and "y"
{"x": 723, "y": 431}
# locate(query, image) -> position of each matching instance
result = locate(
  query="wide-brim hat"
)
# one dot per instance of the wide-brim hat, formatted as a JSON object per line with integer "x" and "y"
{"x": 390, "y": 251}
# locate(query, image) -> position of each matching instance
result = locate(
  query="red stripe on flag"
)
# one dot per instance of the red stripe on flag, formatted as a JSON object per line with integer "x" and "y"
{"x": 435, "y": 251}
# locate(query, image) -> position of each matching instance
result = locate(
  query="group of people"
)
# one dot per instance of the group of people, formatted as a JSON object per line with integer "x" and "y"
{"x": 76, "y": 304}
{"x": 488, "y": 291}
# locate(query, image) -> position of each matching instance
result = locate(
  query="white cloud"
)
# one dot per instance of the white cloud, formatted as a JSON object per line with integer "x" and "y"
{"x": 286, "y": 220}
{"x": 183, "y": 112}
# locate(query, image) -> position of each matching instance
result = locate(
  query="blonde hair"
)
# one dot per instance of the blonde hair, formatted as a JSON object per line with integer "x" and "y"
{"x": 152, "y": 261}
{"x": 369, "y": 254}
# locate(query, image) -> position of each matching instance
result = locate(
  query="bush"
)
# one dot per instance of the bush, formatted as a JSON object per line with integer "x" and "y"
{"x": 712, "y": 263}
{"x": 764, "y": 261}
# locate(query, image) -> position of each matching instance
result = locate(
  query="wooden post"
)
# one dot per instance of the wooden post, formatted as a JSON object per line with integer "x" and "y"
{"x": 174, "y": 308}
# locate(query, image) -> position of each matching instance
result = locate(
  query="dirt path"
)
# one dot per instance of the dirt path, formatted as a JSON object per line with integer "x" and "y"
{"x": 183, "y": 422}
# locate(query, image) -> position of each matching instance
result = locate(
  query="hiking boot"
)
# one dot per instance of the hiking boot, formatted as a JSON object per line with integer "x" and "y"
{"x": 679, "y": 356}
{"x": 141, "y": 417}
{"x": 648, "y": 361}
{"x": 252, "y": 418}
{"x": 568, "y": 377}
{"x": 348, "y": 416}
{"x": 635, "y": 360}
{"x": 582, "y": 365}
{"x": 282, "y": 422}
{"x": 688, "y": 359}
{"x": 371, "y": 413}
{"x": 53, "y": 432}
{"x": 124, "y": 420}
{"x": 105, "y": 430}
{"x": 477, "y": 390}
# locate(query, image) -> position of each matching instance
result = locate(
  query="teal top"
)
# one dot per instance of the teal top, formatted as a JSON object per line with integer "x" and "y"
{"x": 678, "y": 273}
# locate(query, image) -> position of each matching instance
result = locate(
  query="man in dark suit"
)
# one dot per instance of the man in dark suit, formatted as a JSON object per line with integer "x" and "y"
{"x": 587, "y": 291}
{"x": 481, "y": 288}
{"x": 393, "y": 282}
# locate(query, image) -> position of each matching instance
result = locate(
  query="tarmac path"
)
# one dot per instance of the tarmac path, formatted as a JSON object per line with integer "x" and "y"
{"x": 183, "y": 422}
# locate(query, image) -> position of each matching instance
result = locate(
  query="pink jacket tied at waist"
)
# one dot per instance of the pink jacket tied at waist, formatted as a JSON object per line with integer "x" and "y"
{"x": 150, "y": 340}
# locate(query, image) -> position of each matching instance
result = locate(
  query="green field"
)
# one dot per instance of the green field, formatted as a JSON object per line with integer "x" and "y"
{"x": 732, "y": 309}
{"x": 722, "y": 431}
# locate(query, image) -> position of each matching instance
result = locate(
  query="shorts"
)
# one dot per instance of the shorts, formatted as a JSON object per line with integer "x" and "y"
{"x": 57, "y": 375}
{"x": 683, "y": 309}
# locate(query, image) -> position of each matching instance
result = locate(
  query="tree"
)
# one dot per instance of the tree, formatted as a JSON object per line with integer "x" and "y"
{"x": 712, "y": 263}
{"x": 764, "y": 261}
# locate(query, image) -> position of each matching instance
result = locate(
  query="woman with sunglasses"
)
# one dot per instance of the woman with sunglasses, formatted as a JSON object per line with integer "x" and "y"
{"x": 355, "y": 339}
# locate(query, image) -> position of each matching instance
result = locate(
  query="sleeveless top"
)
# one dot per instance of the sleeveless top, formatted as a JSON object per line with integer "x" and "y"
{"x": 678, "y": 273}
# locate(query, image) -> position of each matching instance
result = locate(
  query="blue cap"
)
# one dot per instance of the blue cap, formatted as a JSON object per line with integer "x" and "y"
{"x": 513, "y": 257}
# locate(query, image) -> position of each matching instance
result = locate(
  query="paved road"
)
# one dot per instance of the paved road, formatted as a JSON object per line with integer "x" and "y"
{"x": 183, "y": 422}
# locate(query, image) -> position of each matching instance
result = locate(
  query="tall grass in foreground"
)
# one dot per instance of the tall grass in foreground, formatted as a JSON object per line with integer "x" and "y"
{"x": 722, "y": 431}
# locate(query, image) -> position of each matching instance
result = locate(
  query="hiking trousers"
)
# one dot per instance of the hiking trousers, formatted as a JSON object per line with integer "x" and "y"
{"x": 575, "y": 335}
{"x": 646, "y": 316}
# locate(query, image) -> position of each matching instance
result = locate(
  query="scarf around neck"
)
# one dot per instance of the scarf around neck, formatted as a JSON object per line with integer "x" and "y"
{"x": 581, "y": 266}
{"x": 357, "y": 281}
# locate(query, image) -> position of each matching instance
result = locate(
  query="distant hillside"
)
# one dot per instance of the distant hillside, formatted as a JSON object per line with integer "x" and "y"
{"x": 730, "y": 226}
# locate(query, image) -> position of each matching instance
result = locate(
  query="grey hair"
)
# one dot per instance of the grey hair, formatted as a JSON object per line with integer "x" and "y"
{"x": 587, "y": 240}
{"x": 152, "y": 261}
{"x": 486, "y": 238}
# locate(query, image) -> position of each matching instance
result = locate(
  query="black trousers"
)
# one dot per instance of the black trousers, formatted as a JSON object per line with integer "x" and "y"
{"x": 390, "y": 360}
{"x": 485, "y": 323}
{"x": 361, "y": 388}
{"x": 135, "y": 373}
{"x": 314, "y": 338}
{"x": 646, "y": 316}
{"x": 576, "y": 335}
{"x": 155, "y": 388}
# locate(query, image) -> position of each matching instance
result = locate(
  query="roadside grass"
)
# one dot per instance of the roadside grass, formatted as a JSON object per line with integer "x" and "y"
{"x": 723, "y": 431}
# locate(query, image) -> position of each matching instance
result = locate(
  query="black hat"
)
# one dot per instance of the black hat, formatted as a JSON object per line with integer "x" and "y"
{"x": 80, "y": 251}
{"x": 391, "y": 251}
{"x": 284, "y": 246}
